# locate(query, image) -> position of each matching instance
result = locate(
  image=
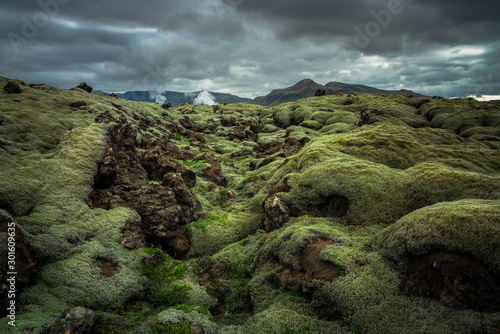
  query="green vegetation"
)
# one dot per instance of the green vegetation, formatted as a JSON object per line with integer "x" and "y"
{"x": 424, "y": 177}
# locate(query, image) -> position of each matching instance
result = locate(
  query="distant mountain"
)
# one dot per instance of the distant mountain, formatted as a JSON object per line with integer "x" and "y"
{"x": 307, "y": 88}
{"x": 302, "y": 89}
{"x": 351, "y": 88}
{"x": 176, "y": 98}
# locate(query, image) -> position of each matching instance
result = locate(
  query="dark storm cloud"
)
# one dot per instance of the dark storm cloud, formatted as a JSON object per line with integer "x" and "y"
{"x": 249, "y": 47}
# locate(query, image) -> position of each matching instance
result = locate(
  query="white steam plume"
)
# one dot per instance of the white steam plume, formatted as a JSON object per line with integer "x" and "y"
{"x": 206, "y": 98}
{"x": 158, "y": 97}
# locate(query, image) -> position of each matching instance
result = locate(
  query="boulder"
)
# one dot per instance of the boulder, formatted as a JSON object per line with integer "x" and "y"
{"x": 320, "y": 92}
{"x": 85, "y": 87}
{"x": 77, "y": 320}
{"x": 368, "y": 116}
{"x": 275, "y": 213}
{"x": 77, "y": 105}
{"x": 12, "y": 88}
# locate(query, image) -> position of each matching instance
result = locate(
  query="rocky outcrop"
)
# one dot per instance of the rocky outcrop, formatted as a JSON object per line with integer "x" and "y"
{"x": 214, "y": 172}
{"x": 368, "y": 116}
{"x": 77, "y": 320}
{"x": 275, "y": 213}
{"x": 153, "y": 184}
{"x": 455, "y": 279}
{"x": 320, "y": 92}
{"x": 85, "y": 87}
{"x": 12, "y": 88}
{"x": 77, "y": 105}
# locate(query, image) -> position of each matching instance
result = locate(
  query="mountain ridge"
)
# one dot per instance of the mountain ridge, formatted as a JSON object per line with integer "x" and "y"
{"x": 176, "y": 98}
{"x": 307, "y": 88}
{"x": 302, "y": 89}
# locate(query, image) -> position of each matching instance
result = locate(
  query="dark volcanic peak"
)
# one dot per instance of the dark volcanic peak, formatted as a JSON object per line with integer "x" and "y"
{"x": 307, "y": 88}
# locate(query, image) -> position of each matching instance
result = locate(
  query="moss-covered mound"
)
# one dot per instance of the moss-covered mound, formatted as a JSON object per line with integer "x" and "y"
{"x": 164, "y": 220}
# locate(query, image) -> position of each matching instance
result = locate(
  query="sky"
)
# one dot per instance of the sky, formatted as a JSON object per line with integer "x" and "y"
{"x": 449, "y": 48}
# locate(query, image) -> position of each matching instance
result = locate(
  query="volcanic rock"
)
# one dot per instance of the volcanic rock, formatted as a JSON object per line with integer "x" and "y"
{"x": 368, "y": 116}
{"x": 275, "y": 213}
{"x": 75, "y": 321}
{"x": 455, "y": 279}
{"x": 85, "y": 87}
{"x": 12, "y": 88}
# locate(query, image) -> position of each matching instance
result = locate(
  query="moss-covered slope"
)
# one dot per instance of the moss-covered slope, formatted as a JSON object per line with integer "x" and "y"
{"x": 154, "y": 218}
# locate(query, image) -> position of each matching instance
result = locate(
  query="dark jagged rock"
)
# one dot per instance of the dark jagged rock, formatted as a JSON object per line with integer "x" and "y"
{"x": 320, "y": 92}
{"x": 239, "y": 132}
{"x": 157, "y": 163}
{"x": 85, "y": 87}
{"x": 214, "y": 172}
{"x": 77, "y": 105}
{"x": 12, "y": 88}
{"x": 187, "y": 123}
{"x": 77, "y": 320}
{"x": 454, "y": 279}
{"x": 153, "y": 184}
{"x": 275, "y": 213}
{"x": 133, "y": 236}
{"x": 368, "y": 116}
{"x": 166, "y": 105}
{"x": 114, "y": 95}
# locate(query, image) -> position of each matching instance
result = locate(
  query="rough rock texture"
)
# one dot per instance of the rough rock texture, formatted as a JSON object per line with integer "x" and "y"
{"x": 77, "y": 105}
{"x": 454, "y": 279}
{"x": 368, "y": 116}
{"x": 214, "y": 172}
{"x": 312, "y": 267}
{"x": 153, "y": 184}
{"x": 275, "y": 213}
{"x": 12, "y": 88}
{"x": 77, "y": 320}
{"x": 85, "y": 87}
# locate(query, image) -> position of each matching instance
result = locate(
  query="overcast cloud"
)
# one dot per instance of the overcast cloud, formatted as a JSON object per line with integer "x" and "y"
{"x": 248, "y": 47}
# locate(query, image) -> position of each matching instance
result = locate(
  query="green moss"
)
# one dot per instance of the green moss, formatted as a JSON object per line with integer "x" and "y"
{"x": 402, "y": 315}
{"x": 80, "y": 276}
{"x": 219, "y": 229}
{"x": 342, "y": 116}
{"x": 175, "y": 316}
{"x": 367, "y": 281}
{"x": 284, "y": 321}
{"x": 337, "y": 128}
{"x": 434, "y": 182}
{"x": 370, "y": 188}
{"x": 465, "y": 226}
{"x": 290, "y": 242}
